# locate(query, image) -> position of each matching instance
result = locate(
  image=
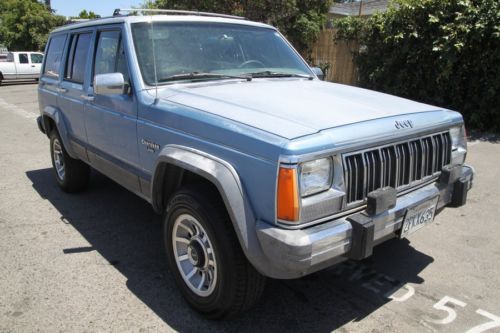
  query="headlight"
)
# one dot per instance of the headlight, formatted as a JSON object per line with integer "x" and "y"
{"x": 315, "y": 176}
{"x": 458, "y": 145}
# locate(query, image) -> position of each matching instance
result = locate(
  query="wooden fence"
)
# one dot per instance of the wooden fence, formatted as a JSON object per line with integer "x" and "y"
{"x": 339, "y": 55}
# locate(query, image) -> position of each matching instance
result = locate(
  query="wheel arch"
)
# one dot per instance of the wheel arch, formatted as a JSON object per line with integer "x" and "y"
{"x": 52, "y": 119}
{"x": 174, "y": 160}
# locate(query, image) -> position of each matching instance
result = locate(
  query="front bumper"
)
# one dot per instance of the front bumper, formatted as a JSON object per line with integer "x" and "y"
{"x": 300, "y": 252}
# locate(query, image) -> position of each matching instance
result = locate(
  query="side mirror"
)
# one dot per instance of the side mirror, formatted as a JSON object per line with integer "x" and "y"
{"x": 109, "y": 84}
{"x": 318, "y": 72}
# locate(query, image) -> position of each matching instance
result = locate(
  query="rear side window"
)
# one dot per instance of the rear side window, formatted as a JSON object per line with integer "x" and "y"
{"x": 77, "y": 57}
{"x": 54, "y": 56}
{"x": 23, "y": 58}
{"x": 36, "y": 58}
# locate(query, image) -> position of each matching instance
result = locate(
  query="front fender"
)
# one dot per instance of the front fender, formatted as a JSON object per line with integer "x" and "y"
{"x": 225, "y": 178}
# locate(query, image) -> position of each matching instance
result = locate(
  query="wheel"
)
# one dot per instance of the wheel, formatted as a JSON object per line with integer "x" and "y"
{"x": 72, "y": 175}
{"x": 205, "y": 256}
{"x": 251, "y": 61}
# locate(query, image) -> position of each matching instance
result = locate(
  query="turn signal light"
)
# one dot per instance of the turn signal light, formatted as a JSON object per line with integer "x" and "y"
{"x": 288, "y": 195}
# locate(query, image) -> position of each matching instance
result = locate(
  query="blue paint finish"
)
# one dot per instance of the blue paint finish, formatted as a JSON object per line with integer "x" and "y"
{"x": 251, "y": 127}
{"x": 259, "y": 185}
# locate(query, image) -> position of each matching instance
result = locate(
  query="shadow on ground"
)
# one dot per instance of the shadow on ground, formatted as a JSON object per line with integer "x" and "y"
{"x": 475, "y": 135}
{"x": 127, "y": 233}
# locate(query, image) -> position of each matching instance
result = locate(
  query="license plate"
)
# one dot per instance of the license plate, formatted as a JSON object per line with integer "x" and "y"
{"x": 418, "y": 217}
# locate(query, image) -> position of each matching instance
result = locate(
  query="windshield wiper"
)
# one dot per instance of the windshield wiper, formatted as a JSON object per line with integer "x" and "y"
{"x": 201, "y": 76}
{"x": 278, "y": 74}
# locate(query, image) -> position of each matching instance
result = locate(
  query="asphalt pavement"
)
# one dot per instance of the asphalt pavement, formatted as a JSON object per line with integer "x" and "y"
{"x": 94, "y": 261}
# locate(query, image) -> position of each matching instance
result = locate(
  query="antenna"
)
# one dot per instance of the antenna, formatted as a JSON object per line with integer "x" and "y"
{"x": 154, "y": 57}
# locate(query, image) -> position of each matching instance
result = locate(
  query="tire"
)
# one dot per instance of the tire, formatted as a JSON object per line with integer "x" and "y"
{"x": 229, "y": 283}
{"x": 72, "y": 175}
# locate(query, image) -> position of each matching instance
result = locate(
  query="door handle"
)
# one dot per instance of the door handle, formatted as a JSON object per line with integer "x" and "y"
{"x": 61, "y": 90}
{"x": 32, "y": 65}
{"x": 89, "y": 98}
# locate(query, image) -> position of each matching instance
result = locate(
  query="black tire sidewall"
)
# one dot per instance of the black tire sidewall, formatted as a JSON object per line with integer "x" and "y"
{"x": 55, "y": 136}
{"x": 223, "y": 294}
{"x": 76, "y": 172}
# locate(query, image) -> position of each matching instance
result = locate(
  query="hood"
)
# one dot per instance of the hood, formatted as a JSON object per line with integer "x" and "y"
{"x": 290, "y": 108}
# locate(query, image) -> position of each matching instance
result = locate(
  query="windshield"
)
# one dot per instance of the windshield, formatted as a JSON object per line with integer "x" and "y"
{"x": 212, "y": 48}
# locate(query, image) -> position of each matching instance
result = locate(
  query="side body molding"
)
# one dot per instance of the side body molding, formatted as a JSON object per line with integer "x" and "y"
{"x": 227, "y": 181}
{"x": 56, "y": 115}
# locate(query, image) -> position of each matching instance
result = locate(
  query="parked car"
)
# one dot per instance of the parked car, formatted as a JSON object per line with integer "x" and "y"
{"x": 260, "y": 169}
{"x": 21, "y": 66}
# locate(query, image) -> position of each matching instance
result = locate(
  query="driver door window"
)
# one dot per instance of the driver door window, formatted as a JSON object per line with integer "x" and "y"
{"x": 110, "y": 56}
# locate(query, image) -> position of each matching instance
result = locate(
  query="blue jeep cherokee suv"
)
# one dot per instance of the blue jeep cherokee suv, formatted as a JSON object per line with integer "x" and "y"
{"x": 260, "y": 168}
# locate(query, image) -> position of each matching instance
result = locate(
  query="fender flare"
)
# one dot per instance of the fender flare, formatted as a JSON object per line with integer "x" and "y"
{"x": 225, "y": 178}
{"x": 56, "y": 115}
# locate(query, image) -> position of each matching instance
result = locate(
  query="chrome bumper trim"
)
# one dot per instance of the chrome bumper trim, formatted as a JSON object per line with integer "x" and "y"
{"x": 303, "y": 251}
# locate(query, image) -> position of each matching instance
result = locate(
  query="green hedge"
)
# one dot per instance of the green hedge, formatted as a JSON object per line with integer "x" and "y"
{"x": 442, "y": 52}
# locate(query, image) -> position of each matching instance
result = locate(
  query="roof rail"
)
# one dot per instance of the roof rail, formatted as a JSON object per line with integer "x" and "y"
{"x": 131, "y": 11}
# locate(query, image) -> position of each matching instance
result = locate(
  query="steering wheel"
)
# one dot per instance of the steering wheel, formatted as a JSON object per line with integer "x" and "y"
{"x": 251, "y": 61}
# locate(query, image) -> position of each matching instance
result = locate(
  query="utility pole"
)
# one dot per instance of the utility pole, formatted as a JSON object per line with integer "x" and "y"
{"x": 47, "y": 4}
{"x": 360, "y": 8}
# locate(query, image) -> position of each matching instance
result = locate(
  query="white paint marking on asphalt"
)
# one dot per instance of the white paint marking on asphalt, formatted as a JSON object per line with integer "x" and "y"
{"x": 391, "y": 294}
{"x": 488, "y": 325}
{"x": 17, "y": 110}
{"x": 451, "y": 313}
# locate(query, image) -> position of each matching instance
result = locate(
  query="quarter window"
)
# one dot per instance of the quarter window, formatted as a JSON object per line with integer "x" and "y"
{"x": 54, "y": 56}
{"x": 77, "y": 57}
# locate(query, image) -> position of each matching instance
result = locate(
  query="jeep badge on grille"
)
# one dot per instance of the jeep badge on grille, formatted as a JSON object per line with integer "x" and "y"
{"x": 403, "y": 124}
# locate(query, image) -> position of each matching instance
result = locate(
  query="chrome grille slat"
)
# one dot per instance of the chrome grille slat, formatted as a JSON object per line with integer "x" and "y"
{"x": 424, "y": 157}
{"x": 434, "y": 157}
{"x": 356, "y": 176}
{"x": 400, "y": 165}
{"x": 412, "y": 158}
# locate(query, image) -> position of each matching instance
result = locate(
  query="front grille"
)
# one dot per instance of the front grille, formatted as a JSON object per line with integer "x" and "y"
{"x": 398, "y": 165}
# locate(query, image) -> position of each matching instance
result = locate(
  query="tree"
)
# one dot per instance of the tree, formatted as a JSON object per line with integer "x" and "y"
{"x": 442, "y": 52}
{"x": 300, "y": 21}
{"x": 88, "y": 15}
{"x": 25, "y": 24}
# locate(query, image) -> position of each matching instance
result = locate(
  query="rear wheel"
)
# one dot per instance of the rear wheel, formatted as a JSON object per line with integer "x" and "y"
{"x": 72, "y": 175}
{"x": 205, "y": 256}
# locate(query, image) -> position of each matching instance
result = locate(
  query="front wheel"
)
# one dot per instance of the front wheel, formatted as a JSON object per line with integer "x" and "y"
{"x": 205, "y": 256}
{"x": 72, "y": 175}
